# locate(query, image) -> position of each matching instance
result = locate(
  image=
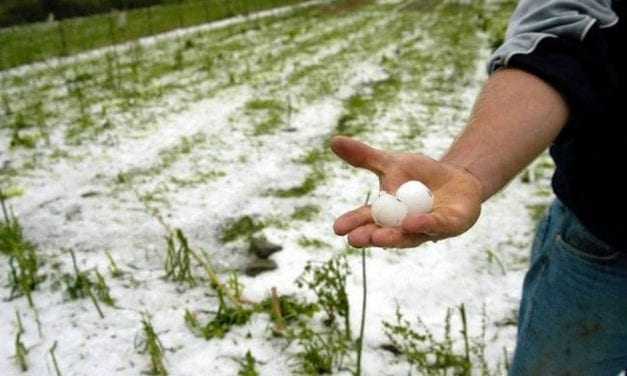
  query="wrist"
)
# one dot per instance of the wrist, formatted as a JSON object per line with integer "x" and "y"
{"x": 465, "y": 169}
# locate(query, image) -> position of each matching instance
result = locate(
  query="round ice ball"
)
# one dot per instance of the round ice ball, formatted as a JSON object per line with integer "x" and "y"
{"x": 388, "y": 211}
{"x": 416, "y": 196}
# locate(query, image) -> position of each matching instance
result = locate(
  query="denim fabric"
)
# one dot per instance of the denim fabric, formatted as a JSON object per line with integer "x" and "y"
{"x": 573, "y": 313}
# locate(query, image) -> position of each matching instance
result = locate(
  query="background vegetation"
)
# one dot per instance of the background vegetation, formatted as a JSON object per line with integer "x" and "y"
{"x": 39, "y": 41}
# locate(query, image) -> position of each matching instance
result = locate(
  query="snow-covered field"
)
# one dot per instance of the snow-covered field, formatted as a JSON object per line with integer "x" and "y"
{"x": 103, "y": 154}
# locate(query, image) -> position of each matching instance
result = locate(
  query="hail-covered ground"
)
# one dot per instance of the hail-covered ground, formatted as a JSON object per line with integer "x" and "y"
{"x": 227, "y": 125}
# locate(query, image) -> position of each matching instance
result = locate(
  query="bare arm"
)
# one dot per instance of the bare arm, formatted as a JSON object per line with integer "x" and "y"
{"x": 516, "y": 117}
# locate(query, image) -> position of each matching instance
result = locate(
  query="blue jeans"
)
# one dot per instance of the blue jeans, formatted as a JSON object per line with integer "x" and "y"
{"x": 573, "y": 313}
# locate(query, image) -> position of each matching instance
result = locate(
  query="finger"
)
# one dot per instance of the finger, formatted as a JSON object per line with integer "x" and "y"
{"x": 359, "y": 154}
{"x": 396, "y": 238}
{"x": 353, "y": 219}
{"x": 360, "y": 237}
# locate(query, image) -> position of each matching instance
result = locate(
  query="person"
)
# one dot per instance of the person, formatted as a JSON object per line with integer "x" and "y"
{"x": 557, "y": 81}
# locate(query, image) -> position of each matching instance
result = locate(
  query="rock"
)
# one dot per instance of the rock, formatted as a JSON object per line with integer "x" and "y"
{"x": 259, "y": 266}
{"x": 262, "y": 248}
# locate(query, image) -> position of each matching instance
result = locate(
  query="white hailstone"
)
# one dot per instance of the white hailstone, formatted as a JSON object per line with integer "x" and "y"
{"x": 388, "y": 211}
{"x": 416, "y": 196}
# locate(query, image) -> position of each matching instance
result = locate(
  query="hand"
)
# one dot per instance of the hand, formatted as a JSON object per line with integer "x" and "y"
{"x": 457, "y": 197}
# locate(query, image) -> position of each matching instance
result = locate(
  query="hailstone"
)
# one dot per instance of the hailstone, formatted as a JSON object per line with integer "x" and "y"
{"x": 416, "y": 196}
{"x": 388, "y": 211}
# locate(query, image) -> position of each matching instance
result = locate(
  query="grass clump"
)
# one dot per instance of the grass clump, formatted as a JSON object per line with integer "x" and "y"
{"x": 80, "y": 285}
{"x": 177, "y": 261}
{"x": 266, "y": 114}
{"x": 311, "y": 182}
{"x": 305, "y": 213}
{"x": 287, "y": 309}
{"x": 114, "y": 270}
{"x": 227, "y": 316}
{"x": 306, "y": 242}
{"x": 153, "y": 346}
{"x": 243, "y": 227}
{"x": 248, "y": 365}
{"x": 328, "y": 282}
{"x": 23, "y": 260}
{"x": 324, "y": 350}
{"x": 430, "y": 356}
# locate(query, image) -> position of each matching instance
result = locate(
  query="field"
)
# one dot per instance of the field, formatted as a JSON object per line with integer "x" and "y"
{"x": 39, "y": 41}
{"x": 138, "y": 179}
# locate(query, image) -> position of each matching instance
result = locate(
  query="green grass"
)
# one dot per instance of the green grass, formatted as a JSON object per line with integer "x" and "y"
{"x": 305, "y": 213}
{"x": 154, "y": 348}
{"x": 81, "y": 285}
{"x": 178, "y": 256}
{"x": 243, "y": 227}
{"x": 267, "y": 115}
{"x": 23, "y": 260}
{"x": 248, "y": 366}
{"x": 35, "y": 42}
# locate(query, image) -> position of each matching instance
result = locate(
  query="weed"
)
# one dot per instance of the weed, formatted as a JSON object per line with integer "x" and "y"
{"x": 153, "y": 347}
{"x": 312, "y": 243}
{"x": 248, "y": 366}
{"x": 225, "y": 318}
{"x": 113, "y": 267}
{"x": 311, "y": 182}
{"x": 322, "y": 351}
{"x": 80, "y": 285}
{"x": 20, "y": 350}
{"x": 177, "y": 262}
{"x": 305, "y": 213}
{"x": 430, "y": 356}
{"x": 292, "y": 308}
{"x": 244, "y": 227}
{"x": 234, "y": 285}
{"x": 328, "y": 282}
{"x": 267, "y": 114}
{"x": 23, "y": 260}
{"x": 102, "y": 290}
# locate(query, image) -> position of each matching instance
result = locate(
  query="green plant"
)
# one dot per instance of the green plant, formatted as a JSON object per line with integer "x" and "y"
{"x": 311, "y": 243}
{"x": 114, "y": 270}
{"x": 322, "y": 351}
{"x": 225, "y": 318}
{"x": 305, "y": 213}
{"x": 20, "y": 350}
{"x": 23, "y": 260}
{"x": 244, "y": 227}
{"x": 311, "y": 182}
{"x": 430, "y": 356}
{"x": 80, "y": 285}
{"x": 248, "y": 365}
{"x": 328, "y": 282}
{"x": 153, "y": 346}
{"x": 291, "y": 307}
{"x": 177, "y": 261}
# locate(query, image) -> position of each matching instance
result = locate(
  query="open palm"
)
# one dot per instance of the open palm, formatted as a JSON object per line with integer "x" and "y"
{"x": 457, "y": 197}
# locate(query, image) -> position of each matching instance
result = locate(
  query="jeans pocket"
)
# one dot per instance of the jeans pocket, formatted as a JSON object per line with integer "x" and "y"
{"x": 589, "y": 251}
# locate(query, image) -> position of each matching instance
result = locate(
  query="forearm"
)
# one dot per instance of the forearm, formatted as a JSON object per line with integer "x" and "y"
{"x": 515, "y": 118}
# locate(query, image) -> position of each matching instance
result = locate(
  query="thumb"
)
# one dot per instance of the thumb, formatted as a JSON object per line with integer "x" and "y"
{"x": 360, "y": 155}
